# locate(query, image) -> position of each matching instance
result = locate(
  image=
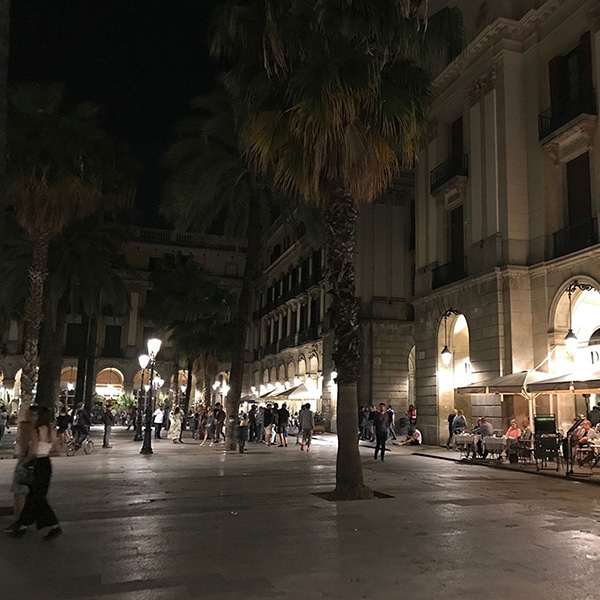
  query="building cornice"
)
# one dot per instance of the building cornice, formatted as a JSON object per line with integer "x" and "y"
{"x": 501, "y": 29}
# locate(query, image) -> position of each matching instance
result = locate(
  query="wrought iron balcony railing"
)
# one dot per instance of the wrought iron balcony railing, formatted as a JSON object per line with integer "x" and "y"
{"x": 449, "y": 273}
{"x": 453, "y": 167}
{"x": 575, "y": 237}
{"x": 577, "y": 102}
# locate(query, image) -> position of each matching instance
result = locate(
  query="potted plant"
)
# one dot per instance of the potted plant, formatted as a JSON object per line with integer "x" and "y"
{"x": 319, "y": 422}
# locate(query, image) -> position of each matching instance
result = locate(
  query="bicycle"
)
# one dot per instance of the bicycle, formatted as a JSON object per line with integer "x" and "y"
{"x": 86, "y": 444}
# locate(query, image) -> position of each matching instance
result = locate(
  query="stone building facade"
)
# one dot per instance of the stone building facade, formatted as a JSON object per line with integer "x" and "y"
{"x": 507, "y": 199}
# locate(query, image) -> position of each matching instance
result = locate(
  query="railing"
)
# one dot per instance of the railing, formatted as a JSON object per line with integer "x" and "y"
{"x": 187, "y": 238}
{"x": 449, "y": 273}
{"x": 310, "y": 334}
{"x": 287, "y": 342}
{"x": 271, "y": 348}
{"x": 453, "y": 167}
{"x": 575, "y": 237}
{"x": 576, "y": 102}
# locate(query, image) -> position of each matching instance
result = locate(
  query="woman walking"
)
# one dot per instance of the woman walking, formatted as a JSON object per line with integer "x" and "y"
{"x": 36, "y": 509}
{"x": 209, "y": 426}
{"x": 176, "y": 425}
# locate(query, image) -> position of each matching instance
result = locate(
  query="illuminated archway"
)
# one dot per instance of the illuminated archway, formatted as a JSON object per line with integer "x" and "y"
{"x": 453, "y": 331}
{"x": 109, "y": 383}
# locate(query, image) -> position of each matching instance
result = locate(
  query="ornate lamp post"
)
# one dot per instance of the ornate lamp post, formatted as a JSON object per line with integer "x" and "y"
{"x": 154, "y": 345}
{"x": 445, "y": 353}
{"x": 571, "y": 341}
{"x": 143, "y": 359}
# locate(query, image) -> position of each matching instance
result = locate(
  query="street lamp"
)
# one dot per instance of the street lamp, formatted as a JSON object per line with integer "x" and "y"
{"x": 571, "y": 341}
{"x": 143, "y": 359}
{"x": 153, "y": 349}
{"x": 446, "y": 354}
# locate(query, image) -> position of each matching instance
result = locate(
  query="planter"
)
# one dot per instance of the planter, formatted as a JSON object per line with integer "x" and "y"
{"x": 319, "y": 429}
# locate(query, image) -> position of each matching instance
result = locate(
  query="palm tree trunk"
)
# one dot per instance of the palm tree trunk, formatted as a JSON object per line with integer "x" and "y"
{"x": 81, "y": 360}
{"x": 4, "y": 41}
{"x": 341, "y": 215}
{"x": 175, "y": 385}
{"x": 90, "y": 378}
{"x": 188, "y": 387}
{"x": 38, "y": 271}
{"x": 51, "y": 355}
{"x": 238, "y": 343}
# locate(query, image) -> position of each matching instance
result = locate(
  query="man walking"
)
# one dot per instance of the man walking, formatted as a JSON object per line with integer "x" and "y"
{"x": 283, "y": 422}
{"x": 108, "y": 418}
{"x": 306, "y": 424}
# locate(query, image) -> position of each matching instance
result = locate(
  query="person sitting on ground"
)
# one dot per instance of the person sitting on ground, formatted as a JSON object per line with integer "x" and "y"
{"x": 483, "y": 429}
{"x": 414, "y": 438}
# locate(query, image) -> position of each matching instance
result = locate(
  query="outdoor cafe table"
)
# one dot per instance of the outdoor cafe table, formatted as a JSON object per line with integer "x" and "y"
{"x": 465, "y": 442}
{"x": 494, "y": 445}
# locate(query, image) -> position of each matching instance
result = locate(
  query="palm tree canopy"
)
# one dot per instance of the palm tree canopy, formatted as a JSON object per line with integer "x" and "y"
{"x": 211, "y": 179}
{"x": 59, "y": 160}
{"x": 336, "y": 92}
{"x": 187, "y": 302}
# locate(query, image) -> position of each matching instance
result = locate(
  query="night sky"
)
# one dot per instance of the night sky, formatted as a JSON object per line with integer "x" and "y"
{"x": 141, "y": 60}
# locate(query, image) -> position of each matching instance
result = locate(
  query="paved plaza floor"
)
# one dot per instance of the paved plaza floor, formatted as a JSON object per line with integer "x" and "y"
{"x": 196, "y": 522}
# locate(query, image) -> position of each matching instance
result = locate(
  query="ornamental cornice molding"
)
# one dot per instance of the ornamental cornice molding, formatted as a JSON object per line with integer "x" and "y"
{"x": 501, "y": 28}
{"x": 483, "y": 85}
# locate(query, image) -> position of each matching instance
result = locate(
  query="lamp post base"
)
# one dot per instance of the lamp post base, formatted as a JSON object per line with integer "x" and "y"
{"x": 139, "y": 436}
{"x": 147, "y": 445}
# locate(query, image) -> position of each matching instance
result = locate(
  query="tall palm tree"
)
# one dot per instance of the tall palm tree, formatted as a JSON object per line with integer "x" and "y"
{"x": 189, "y": 304}
{"x": 4, "y": 41}
{"x": 58, "y": 162}
{"x": 212, "y": 180}
{"x": 337, "y": 96}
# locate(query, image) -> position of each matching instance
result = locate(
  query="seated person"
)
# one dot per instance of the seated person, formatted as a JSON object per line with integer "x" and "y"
{"x": 414, "y": 438}
{"x": 584, "y": 434}
{"x": 526, "y": 432}
{"x": 513, "y": 432}
{"x": 483, "y": 429}
{"x": 512, "y": 435}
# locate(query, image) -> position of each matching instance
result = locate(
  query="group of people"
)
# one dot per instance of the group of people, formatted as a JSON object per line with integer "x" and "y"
{"x": 457, "y": 424}
{"x": 378, "y": 425}
{"x": 269, "y": 425}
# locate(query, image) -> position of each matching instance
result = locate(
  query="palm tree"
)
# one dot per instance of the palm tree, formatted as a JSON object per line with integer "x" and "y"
{"x": 337, "y": 96}
{"x": 211, "y": 180}
{"x": 58, "y": 163}
{"x": 4, "y": 39}
{"x": 188, "y": 303}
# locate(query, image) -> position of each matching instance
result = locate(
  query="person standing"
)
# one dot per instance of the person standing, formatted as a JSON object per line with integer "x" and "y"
{"x": 268, "y": 419}
{"x": 306, "y": 423}
{"x": 37, "y": 509}
{"x": 392, "y": 415}
{"x": 252, "y": 423}
{"x": 381, "y": 424}
{"x": 108, "y": 418}
{"x": 219, "y": 423}
{"x": 260, "y": 425}
{"x": 176, "y": 425}
{"x": 21, "y": 475}
{"x": 450, "y": 420}
{"x": 283, "y": 421}
{"x": 157, "y": 418}
{"x": 411, "y": 413}
{"x": 3, "y": 420}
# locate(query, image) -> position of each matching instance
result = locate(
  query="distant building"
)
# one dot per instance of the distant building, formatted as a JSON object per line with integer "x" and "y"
{"x": 120, "y": 340}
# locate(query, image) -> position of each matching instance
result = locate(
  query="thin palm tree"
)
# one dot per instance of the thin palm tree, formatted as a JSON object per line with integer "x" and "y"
{"x": 211, "y": 180}
{"x": 58, "y": 162}
{"x": 337, "y": 96}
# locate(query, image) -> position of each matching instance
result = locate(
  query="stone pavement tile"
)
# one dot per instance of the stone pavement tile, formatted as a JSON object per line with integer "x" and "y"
{"x": 171, "y": 593}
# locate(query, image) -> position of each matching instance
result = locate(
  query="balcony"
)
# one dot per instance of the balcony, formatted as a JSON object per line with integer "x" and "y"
{"x": 575, "y": 237}
{"x": 449, "y": 273}
{"x": 455, "y": 166}
{"x": 271, "y": 349}
{"x": 287, "y": 342}
{"x": 310, "y": 334}
{"x": 575, "y": 104}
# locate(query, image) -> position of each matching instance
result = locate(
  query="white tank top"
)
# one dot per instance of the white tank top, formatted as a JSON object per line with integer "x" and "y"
{"x": 43, "y": 449}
